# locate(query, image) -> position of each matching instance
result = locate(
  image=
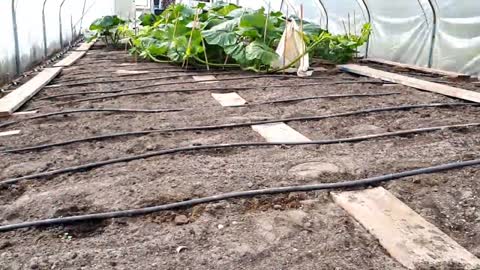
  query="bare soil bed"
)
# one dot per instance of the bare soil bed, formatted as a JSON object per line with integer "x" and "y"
{"x": 290, "y": 231}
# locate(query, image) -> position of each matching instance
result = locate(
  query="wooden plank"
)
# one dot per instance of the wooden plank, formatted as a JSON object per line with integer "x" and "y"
{"x": 123, "y": 72}
{"x": 16, "y": 98}
{"x": 408, "y": 237}
{"x": 205, "y": 79}
{"x": 85, "y": 46}
{"x": 229, "y": 99}
{"x": 279, "y": 132}
{"x": 413, "y": 82}
{"x": 70, "y": 59}
{"x": 24, "y": 113}
{"x": 9, "y": 133}
{"x": 418, "y": 68}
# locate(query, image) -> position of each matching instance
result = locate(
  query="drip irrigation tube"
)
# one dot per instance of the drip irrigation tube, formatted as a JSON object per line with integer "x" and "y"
{"x": 183, "y": 82}
{"x": 89, "y": 166}
{"x": 321, "y": 97}
{"x": 120, "y": 76}
{"x": 362, "y": 183}
{"x": 201, "y": 89}
{"x": 114, "y": 74}
{"x": 9, "y": 123}
{"x": 143, "y": 68}
{"x": 143, "y": 93}
{"x": 235, "y": 125}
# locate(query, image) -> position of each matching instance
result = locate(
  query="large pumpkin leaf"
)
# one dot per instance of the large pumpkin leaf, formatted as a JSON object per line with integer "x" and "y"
{"x": 259, "y": 51}
{"x": 222, "y": 34}
{"x": 237, "y": 52}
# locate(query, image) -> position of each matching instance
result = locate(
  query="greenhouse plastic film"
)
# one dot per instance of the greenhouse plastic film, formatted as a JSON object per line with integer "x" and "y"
{"x": 457, "y": 45}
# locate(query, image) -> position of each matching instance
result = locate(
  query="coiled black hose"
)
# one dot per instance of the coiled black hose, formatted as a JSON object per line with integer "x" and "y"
{"x": 241, "y": 194}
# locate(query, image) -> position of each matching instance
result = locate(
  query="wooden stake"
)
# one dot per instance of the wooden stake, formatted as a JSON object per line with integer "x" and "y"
{"x": 191, "y": 35}
{"x": 285, "y": 41}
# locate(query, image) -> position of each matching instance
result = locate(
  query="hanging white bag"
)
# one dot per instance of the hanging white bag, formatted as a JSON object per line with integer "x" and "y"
{"x": 291, "y": 47}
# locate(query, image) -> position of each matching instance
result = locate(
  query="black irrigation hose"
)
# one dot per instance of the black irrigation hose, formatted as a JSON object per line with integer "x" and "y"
{"x": 321, "y": 97}
{"x": 177, "y": 110}
{"x": 244, "y": 88}
{"x": 234, "y": 125}
{"x": 9, "y": 123}
{"x": 82, "y": 71}
{"x": 362, "y": 183}
{"x": 113, "y": 74}
{"x": 119, "y": 76}
{"x": 179, "y": 76}
{"x": 89, "y": 166}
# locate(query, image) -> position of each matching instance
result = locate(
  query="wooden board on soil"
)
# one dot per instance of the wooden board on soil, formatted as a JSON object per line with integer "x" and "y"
{"x": 205, "y": 78}
{"x": 14, "y": 100}
{"x": 229, "y": 99}
{"x": 85, "y": 46}
{"x": 408, "y": 237}
{"x": 9, "y": 133}
{"x": 70, "y": 59}
{"x": 279, "y": 132}
{"x": 412, "y": 82}
{"x": 418, "y": 68}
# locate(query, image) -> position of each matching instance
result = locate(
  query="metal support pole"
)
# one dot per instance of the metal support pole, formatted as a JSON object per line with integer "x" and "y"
{"x": 60, "y": 23}
{"x": 15, "y": 37}
{"x": 83, "y": 14}
{"x": 434, "y": 33}
{"x": 326, "y": 13}
{"x": 45, "y": 46}
{"x": 369, "y": 15}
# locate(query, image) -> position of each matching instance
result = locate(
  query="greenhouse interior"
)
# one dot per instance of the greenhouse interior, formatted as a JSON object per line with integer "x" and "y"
{"x": 235, "y": 134}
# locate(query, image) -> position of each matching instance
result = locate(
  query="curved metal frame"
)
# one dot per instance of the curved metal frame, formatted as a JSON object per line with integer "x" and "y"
{"x": 369, "y": 15}
{"x": 45, "y": 48}
{"x": 326, "y": 12}
{"x": 434, "y": 33}
{"x": 15, "y": 37}
{"x": 83, "y": 14}
{"x": 60, "y": 23}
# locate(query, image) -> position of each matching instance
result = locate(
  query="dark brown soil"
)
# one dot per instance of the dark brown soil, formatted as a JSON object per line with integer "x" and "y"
{"x": 291, "y": 231}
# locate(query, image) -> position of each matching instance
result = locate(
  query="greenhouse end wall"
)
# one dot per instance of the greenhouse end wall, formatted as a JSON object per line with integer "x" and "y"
{"x": 442, "y": 34}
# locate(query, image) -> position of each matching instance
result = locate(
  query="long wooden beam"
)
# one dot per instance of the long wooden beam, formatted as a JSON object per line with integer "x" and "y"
{"x": 408, "y": 237}
{"x": 418, "y": 68}
{"x": 413, "y": 82}
{"x": 85, "y": 46}
{"x": 70, "y": 59}
{"x": 15, "y": 99}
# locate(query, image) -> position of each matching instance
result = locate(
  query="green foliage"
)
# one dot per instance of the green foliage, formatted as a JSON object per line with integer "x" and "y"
{"x": 226, "y": 34}
{"x": 108, "y": 28}
{"x": 341, "y": 48}
{"x": 147, "y": 19}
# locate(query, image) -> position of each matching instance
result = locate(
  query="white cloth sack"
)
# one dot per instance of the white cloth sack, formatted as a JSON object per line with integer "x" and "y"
{"x": 291, "y": 50}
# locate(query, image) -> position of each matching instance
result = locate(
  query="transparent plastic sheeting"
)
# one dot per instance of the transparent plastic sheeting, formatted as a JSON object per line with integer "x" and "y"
{"x": 66, "y": 25}
{"x": 443, "y": 34}
{"x": 457, "y": 45}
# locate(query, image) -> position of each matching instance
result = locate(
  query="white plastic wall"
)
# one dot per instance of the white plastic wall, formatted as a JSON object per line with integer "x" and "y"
{"x": 7, "y": 47}
{"x": 402, "y": 31}
{"x": 446, "y": 36}
{"x": 66, "y": 25}
{"x": 457, "y": 43}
